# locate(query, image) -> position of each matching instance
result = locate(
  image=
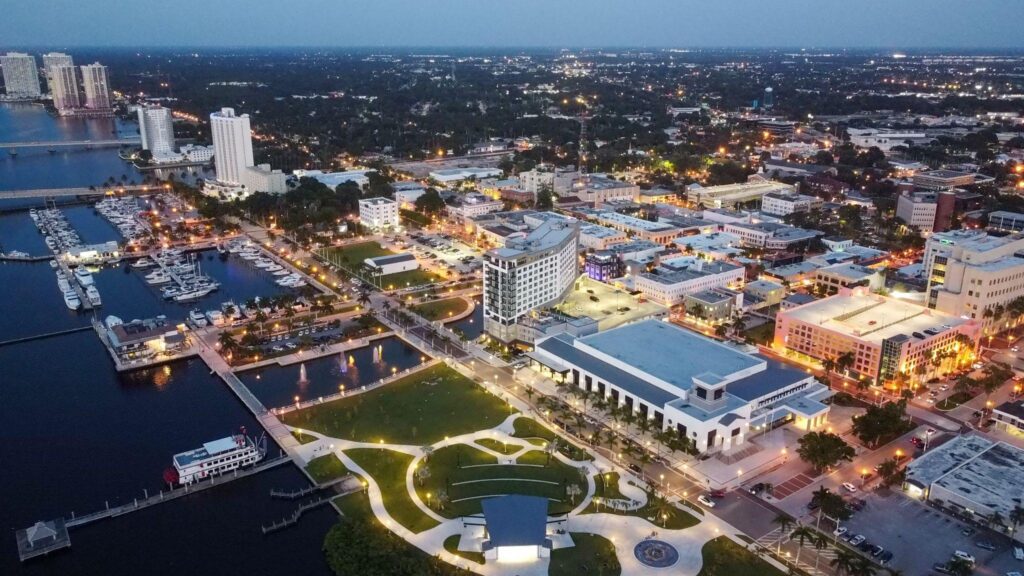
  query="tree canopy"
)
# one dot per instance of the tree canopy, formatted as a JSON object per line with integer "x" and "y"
{"x": 824, "y": 450}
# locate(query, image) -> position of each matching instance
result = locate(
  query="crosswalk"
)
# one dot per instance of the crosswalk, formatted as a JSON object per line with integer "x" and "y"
{"x": 791, "y": 551}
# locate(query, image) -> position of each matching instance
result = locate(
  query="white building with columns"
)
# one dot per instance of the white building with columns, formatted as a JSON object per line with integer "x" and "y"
{"x": 711, "y": 393}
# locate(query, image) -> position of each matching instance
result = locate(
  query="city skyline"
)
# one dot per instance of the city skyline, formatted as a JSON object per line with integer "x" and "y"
{"x": 531, "y": 24}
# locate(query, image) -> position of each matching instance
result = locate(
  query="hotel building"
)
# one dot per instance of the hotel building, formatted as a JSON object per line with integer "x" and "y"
{"x": 21, "y": 77}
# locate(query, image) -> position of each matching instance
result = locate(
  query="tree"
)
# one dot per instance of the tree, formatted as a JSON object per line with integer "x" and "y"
{"x": 891, "y": 472}
{"x": 863, "y": 567}
{"x": 357, "y": 545}
{"x": 880, "y": 424}
{"x": 430, "y": 202}
{"x": 824, "y": 450}
{"x": 960, "y": 567}
{"x": 801, "y": 535}
{"x": 783, "y": 522}
{"x": 844, "y": 561}
{"x": 227, "y": 341}
{"x": 545, "y": 200}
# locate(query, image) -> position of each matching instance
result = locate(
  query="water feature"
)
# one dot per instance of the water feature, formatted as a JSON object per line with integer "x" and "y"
{"x": 279, "y": 385}
{"x": 473, "y": 325}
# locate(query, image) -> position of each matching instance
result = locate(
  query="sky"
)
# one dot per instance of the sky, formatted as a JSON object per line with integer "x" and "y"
{"x": 892, "y": 24}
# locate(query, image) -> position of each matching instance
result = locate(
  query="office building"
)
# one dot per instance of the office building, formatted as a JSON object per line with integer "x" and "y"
{"x": 768, "y": 100}
{"x": 884, "y": 140}
{"x": 927, "y": 211}
{"x": 96, "y": 88}
{"x": 973, "y": 274}
{"x": 559, "y": 180}
{"x": 779, "y": 204}
{"x": 453, "y": 175}
{"x": 471, "y": 205}
{"x": 657, "y": 232}
{"x": 63, "y": 80}
{"x": 596, "y": 189}
{"x": 771, "y": 236}
{"x": 603, "y": 265}
{"x": 21, "y": 77}
{"x": 601, "y": 237}
{"x": 334, "y": 179}
{"x": 709, "y": 392}
{"x": 1009, "y": 417}
{"x": 378, "y": 213}
{"x": 942, "y": 179}
{"x": 831, "y": 279}
{"x": 888, "y": 337}
{"x": 675, "y": 278}
{"x": 1003, "y": 221}
{"x": 156, "y": 130}
{"x": 529, "y": 273}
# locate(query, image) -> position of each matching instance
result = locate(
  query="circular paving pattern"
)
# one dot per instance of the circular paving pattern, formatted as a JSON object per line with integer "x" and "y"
{"x": 656, "y": 554}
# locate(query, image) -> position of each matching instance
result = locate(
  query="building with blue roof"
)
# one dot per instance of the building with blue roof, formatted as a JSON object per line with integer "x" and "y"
{"x": 515, "y": 528}
{"x": 707, "y": 391}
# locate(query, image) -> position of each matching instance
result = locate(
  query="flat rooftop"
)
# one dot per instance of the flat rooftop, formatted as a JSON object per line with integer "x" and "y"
{"x": 635, "y": 223}
{"x": 974, "y": 468}
{"x": 657, "y": 348}
{"x": 871, "y": 317}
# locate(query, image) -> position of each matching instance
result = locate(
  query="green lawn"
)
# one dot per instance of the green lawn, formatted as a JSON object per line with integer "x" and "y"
{"x": 451, "y": 544}
{"x": 457, "y": 471}
{"x": 419, "y": 409}
{"x": 496, "y": 445}
{"x": 352, "y": 256}
{"x": 326, "y": 468}
{"x": 441, "y": 309}
{"x": 387, "y": 468}
{"x": 609, "y": 489}
{"x": 355, "y": 505}
{"x": 537, "y": 433}
{"x": 592, "y": 554}
{"x": 953, "y": 400}
{"x": 724, "y": 557}
{"x": 303, "y": 438}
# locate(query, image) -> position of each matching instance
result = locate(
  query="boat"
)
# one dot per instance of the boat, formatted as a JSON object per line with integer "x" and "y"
{"x": 63, "y": 284}
{"x": 263, "y": 263}
{"x": 215, "y": 458}
{"x": 193, "y": 293}
{"x": 112, "y": 321}
{"x": 158, "y": 277}
{"x": 273, "y": 268}
{"x": 53, "y": 264}
{"x": 280, "y": 272}
{"x": 71, "y": 299}
{"x": 143, "y": 263}
{"x": 93, "y": 295}
{"x": 249, "y": 255}
{"x": 198, "y": 318}
{"x": 83, "y": 276}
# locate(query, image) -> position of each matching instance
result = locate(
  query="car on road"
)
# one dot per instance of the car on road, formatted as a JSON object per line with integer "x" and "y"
{"x": 636, "y": 469}
{"x": 758, "y": 488}
{"x": 705, "y": 500}
{"x": 941, "y": 568}
{"x": 985, "y": 545}
{"x": 968, "y": 530}
{"x": 717, "y": 493}
{"x": 1018, "y": 553}
{"x": 964, "y": 556}
{"x": 849, "y": 487}
{"x": 840, "y": 531}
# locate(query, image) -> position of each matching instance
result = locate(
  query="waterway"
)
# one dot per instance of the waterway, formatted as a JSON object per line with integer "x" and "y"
{"x": 279, "y": 385}
{"x": 77, "y": 434}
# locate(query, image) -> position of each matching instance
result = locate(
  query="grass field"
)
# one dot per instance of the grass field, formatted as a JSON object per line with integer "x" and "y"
{"x": 441, "y": 309}
{"x": 458, "y": 471}
{"x": 326, "y": 468}
{"x": 536, "y": 433}
{"x": 451, "y": 544}
{"x": 354, "y": 254}
{"x": 496, "y": 445}
{"x": 351, "y": 257}
{"x": 592, "y": 554}
{"x": 722, "y": 556}
{"x": 609, "y": 489}
{"x": 419, "y": 409}
{"x": 303, "y": 438}
{"x": 387, "y": 468}
{"x": 953, "y": 400}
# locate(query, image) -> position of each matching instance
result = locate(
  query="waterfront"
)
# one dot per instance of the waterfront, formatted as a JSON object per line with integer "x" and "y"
{"x": 277, "y": 386}
{"x": 77, "y": 434}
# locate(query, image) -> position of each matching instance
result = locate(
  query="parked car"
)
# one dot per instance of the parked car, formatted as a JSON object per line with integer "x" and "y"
{"x": 885, "y": 557}
{"x": 840, "y": 531}
{"x": 703, "y": 499}
{"x": 985, "y": 545}
{"x": 758, "y": 488}
{"x": 849, "y": 487}
{"x": 964, "y": 556}
{"x": 968, "y": 530}
{"x": 877, "y": 550}
{"x": 865, "y": 546}
{"x": 636, "y": 469}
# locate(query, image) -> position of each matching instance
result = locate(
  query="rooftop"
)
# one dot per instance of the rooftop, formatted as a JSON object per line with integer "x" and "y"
{"x": 516, "y": 520}
{"x": 547, "y": 236}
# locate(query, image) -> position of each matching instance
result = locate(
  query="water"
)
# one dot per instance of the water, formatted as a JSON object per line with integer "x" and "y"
{"x": 473, "y": 325}
{"x": 279, "y": 385}
{"x": 77, "y": 434}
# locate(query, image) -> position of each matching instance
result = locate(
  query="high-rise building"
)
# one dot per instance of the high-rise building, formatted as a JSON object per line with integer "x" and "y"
{"x": 97, "y": 91}
{"x": 232, "y": 145}
{"x": 156, "y": 130}
{"x": 21, "y": 77}
{"x": 529, "y": 273}
{"x": 53, "y": 60}
{"x": 63, "y": 80}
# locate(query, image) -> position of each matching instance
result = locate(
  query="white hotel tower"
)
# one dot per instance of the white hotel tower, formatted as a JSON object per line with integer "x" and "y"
{"x": 156, "y": 130}
{"x": 97, "y": 91}
{"x": 237, "y": 174}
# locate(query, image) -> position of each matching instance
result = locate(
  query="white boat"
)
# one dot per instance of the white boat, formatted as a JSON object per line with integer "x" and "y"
{"x": 158, "y": 277}
{"x": 93, "y": 295}
{"x": 249, "y": 255}
{"x": 83, "y": 276}
{"x": 72, "y": 301}
{"x": 273, "y": 268}
{"x": 263, "y": 263}
{"x": 63, "y": 284}
{"x": 197, "y": 318}
{"x": 143, "y": 263}
{"x": 215, "y": 458}
{"x": 112, "y": 321}
{"x": 281, "y": 272}
{"x": 53, "y": 264}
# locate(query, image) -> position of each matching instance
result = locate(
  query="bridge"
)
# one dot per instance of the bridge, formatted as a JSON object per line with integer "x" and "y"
{"x": 59, "y": 192}
{"x": 70, "y": 143}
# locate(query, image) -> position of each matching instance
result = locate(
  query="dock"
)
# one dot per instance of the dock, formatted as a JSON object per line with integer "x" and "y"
{"x": 75, "y": 284}
{"x": 44, "y": 336}
{"x": 126, "y": 366}
{"x": 42, "y": 538}
{"x": 302, "y": 492}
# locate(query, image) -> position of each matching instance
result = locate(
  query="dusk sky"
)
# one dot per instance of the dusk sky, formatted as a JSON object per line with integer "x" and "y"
{"x": 519, "y": 23}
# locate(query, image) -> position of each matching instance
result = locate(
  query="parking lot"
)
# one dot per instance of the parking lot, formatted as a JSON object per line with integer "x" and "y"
{"x": 920, "y": 536}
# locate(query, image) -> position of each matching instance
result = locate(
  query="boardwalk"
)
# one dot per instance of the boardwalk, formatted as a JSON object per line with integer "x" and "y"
{"x": 43, "y": 336}
{"x": 58, "y": 192}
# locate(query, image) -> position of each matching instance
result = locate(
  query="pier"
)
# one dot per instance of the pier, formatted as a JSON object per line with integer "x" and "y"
{"x": 301, "y": 492}
{"x": 59, "y": 192}
{"x": 45, "y": 336}
{"x": 75, "y": 284}
{"x": 122, "y": 365}
{"x": 294, "y": 518}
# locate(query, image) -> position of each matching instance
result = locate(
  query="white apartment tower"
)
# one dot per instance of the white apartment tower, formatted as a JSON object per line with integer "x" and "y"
{"x": 232, "y": 145}
{"x": 97, "y": 90}
{"x": 529, "y": 273}
{"x": 63, "y": 80}
{"x": 21, "y": 77}
{"x": 156, "y": 130}
{"x": 53, "y": 60}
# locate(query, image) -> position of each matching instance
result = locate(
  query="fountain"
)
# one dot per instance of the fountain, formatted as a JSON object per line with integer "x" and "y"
{"x": 302, "y": 374}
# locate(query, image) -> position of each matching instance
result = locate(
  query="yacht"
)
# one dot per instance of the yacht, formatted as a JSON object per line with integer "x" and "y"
{"x": 249, "y": 255}
{"x": 71, "y": 299}
{"x": 83, "y": 276}
{"x": 143, "y": 263}
{"x": 263, "y": 263}
{"x": 197, "y": 318}
{"x": 193, "y": 293}
{"x": 112, "y": 321}
{"x": 280, "y": 272}
{"x": 63, "y": 284}
{"x": 273, "y": 268}
{"x": 53, "y": 264}
{"x": 215, "y": 458}
{"x": 158, "y": 277}
{"x": 93, "y": 295}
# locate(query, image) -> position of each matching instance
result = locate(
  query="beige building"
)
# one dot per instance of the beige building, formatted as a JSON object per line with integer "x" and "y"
{"x": 729, "y": 195}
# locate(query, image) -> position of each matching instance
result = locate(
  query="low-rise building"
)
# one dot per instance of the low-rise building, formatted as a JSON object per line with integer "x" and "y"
{"x": 889, "y": 338}
{"x": 779, "y": 204}
{"x": 706, "y": 391}
{"x": 926, "y": 211}
{"x": 452, "y": 175}
{"x": 378, "y": 213}
{"x": 772, "y": 236}
{"x": 334, "y": 179}
{"x": 713, "y": 306}
{"x": 603, "y": 266}
{"x": 391, "y": 264}
{"x": 471, "y": 205}
{"x": 142, "y": 340}
{"x": 729, "y": 195}
{"x": 712, "y": 246}
{"x": 769, "y": 293}
{"x": 600, "y": 237}
{"x": 675, "y": 278}
{"x": 658, "y": 232}
{"x": 1003, "y": 221}
{"x": 942, "y": 179}
{"x": 831, "y": 279}
{"x": 595, "y": 189}
{"x": 1009, "y": 417}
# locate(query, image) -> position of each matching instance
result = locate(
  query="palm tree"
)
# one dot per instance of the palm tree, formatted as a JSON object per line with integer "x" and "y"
{"x": 802, "y": 534}
{"x": 843, "y": 562}
{"x": 820, "y": 543}
{"x": 661, "y": 507}
{"x": 783, "y": 522}
{"x": 863, "y": 567}
{"x": 1016, "y": 517}
{"x": 227, "y": 341}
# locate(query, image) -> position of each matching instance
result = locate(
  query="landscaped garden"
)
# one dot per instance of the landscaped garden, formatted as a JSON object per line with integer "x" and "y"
{"x": 592, "y": 554}
{"x": 454, "y": 480}
{"x": 388, "y": 468}
{"x": 723, "y": 557}
{"x": 441, "y": 309}
{"x": 422, "y": 408}
{"x": 326, "y": 468}
{"x": 451, "y": 544}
